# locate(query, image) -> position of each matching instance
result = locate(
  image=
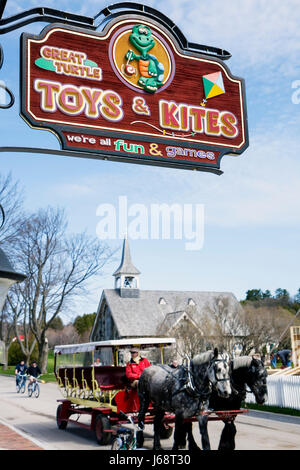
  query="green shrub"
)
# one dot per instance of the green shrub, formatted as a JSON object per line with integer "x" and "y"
{"x": 15, "y": 354}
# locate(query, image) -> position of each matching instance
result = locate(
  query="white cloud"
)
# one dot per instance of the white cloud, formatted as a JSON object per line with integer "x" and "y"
{"x": 256, "y": 32}
{"x": 72, "y": 190}
{"x": 259, "y": 188}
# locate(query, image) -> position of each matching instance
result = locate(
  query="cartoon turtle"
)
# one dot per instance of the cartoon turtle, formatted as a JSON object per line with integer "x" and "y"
{"x": 151, "y": 70}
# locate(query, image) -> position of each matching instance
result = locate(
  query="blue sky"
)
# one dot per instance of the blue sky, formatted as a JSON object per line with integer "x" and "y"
{"x": 251, "y": 233}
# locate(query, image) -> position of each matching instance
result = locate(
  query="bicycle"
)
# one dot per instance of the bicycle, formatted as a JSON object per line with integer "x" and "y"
{"x": 33, "y": 388}
{"x": 21, "y": 381}
{"x": 128, "y": 439}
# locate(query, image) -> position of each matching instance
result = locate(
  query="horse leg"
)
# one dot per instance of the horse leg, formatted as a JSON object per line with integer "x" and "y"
{"x": 144, "y": 404}
{"x": 227, "y": 441}
{"x": 179, "y": 433}
{"x": 159, "y": 415}
{"x": 203, "y": 420}
{"x": 232, "y": 435}
{"x": 191, "y": 440}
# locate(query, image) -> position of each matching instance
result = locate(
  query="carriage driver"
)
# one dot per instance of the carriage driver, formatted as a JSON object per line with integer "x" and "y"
{"x": 135, "y": 367}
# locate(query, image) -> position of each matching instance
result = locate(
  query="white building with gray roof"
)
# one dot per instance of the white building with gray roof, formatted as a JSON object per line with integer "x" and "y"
{"x": 128, "y": 311}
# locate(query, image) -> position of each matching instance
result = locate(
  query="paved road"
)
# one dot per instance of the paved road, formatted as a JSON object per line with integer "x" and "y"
{"x": 36, "y": 419}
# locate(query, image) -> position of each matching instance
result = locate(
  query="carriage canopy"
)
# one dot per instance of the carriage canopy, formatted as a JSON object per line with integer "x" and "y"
{"x": 141, "y": 343}
{"x": 110, "y": 352}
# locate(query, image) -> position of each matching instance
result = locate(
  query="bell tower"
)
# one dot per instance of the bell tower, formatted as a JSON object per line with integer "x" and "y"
{"x": 127, "y": 279}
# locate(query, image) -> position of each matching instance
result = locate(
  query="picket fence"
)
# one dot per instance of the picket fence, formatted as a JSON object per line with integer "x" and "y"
{"x": 282, "y": 391}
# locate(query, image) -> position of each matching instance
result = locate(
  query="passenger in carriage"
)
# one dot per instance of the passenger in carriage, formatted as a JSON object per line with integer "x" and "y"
{"x": 135, "y": 367}
{"x": 97, "y": 362}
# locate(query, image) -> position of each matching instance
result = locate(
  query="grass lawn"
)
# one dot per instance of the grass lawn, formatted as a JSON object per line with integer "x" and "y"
{"x": 49, "y": 377}
{"x": 274, "y": 409}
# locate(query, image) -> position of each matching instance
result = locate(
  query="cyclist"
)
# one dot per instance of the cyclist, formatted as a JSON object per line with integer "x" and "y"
{"x": 33, "y": 371}
{"x": 21, "y": 369}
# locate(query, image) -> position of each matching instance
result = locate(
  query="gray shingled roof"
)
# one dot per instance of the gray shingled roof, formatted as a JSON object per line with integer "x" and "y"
{"x": 126, "y": 266}
{"x": 6, "y": 268}
{"x": 143, "y": 315}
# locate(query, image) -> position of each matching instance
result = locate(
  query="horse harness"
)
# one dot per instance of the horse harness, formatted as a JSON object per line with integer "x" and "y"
{"x": 190, "y": 385}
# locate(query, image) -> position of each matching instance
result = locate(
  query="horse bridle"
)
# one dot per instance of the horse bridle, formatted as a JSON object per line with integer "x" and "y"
{"x": 253, "y": 388}
{"x": 190, "y": 386}
{"x": 245, "y": 389}
{"x": 217, "y": 379}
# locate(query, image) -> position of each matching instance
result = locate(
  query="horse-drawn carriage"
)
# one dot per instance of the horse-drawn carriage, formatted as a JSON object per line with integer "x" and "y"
{"x": 93, "y": 382}
{"x": 92, "y": 378}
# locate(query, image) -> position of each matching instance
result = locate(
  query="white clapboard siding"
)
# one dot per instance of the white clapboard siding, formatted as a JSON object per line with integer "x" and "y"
{"x": 282, "y": 391}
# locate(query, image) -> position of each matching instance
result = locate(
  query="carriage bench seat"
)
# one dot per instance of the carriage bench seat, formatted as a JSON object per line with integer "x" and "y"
{"x": 109, "y": 387}
{"x": 110, "y": 378}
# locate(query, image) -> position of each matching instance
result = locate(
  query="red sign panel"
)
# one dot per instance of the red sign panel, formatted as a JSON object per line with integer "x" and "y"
{"x": 131, "y": 93}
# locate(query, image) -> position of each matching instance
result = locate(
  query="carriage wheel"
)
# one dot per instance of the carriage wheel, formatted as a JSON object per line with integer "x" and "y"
{"x": 166, "y": 431}
{"x": 37, "y": 390}
{"x": 61, "y": 423}
{"x": 102, "y": 424}
{"x": 117, "y": 443}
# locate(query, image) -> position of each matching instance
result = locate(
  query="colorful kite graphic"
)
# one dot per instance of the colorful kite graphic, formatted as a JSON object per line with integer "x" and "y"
{"x": 213, "y": 86}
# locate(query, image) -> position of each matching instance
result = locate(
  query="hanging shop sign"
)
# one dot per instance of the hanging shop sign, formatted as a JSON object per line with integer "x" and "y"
{"x": 132, "y": 93}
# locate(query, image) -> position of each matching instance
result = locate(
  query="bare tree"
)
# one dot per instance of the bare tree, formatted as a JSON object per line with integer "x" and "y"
{"x": 68, "y": 335}
{"x": 252, "y": 328}
{"x": 6, "y": 331}
{"x": 11, "y": 201}
{"x": 57, "y": 266}
{"x": 189, "y": 339}
{"x": 16, "y": 310}
{"x": 192, "y": 335}
{"x": 227, "y": 322}
{"x": 265, "y": 325}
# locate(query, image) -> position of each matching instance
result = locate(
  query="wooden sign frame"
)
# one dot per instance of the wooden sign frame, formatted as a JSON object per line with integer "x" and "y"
{"x": 177, "y": 125}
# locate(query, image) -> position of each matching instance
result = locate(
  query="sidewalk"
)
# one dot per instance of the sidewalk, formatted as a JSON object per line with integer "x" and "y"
{"x": 11, "y": 439}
